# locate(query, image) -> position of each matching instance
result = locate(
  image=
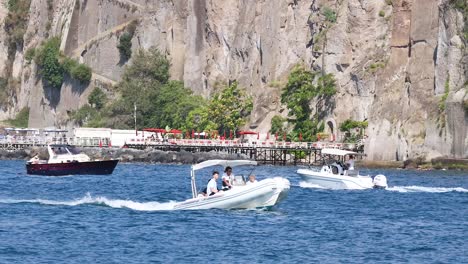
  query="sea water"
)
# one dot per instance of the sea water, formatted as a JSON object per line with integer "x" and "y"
{"x": 127, "y": 217}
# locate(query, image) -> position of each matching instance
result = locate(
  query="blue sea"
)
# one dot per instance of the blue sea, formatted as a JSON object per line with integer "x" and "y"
{"x": 126, "y": 218}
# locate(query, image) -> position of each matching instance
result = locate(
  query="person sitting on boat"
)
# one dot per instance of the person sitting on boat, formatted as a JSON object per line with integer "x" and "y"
{"x": 251, "y": 179}
{"x": 35, "y": 159}
{"x": 350, "y": 163}
{"x": 228, "y": 178}
{"x": 212, "y": 187}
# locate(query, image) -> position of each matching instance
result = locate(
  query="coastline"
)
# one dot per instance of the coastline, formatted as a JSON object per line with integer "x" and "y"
{"x": 128, "y": 155}
{"x": 185, "y": 157}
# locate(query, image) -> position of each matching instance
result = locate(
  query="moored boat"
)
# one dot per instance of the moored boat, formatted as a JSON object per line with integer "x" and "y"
{"x": 68, "y": 160}
{"x": 262, "y": 194}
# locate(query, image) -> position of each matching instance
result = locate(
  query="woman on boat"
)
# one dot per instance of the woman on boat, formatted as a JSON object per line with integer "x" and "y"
{"x": 350, "y": 163}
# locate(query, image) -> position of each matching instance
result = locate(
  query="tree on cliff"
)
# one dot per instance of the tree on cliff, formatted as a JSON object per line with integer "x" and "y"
{"x": 164, "y": 103}
{"x": 304, "y": 86}
{"x": 160, "y": 102}
{"x": 47, "y": 58}
{"x": 226, "y": 111}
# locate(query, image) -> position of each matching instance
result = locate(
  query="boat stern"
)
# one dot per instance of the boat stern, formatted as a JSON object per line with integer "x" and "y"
{"x": 380, "y": 181}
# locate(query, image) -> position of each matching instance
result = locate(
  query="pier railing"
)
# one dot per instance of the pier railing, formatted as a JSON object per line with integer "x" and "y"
{"x": 265, "y": 152}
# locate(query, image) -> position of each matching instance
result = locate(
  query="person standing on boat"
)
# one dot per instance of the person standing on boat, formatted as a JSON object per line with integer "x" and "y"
{"x": 228, "y": 178}
{"x": 350, "y": 163}
{"x": 212, "y": 186}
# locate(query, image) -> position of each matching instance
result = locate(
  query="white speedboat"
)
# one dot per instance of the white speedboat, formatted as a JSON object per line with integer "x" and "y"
{"x": 335, "y": 175}
{"x": 262, "y": 194}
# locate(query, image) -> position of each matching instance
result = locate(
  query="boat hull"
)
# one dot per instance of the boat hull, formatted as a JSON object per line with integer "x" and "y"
{"x": 103, "y": 167}
{"x": 263, "y": 194}
{"x": 332, "y": 181}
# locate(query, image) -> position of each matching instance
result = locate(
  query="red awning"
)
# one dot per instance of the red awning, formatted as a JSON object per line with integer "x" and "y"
{"x": 175, "y": 131}
{"x": 248, "y": 133}
{"x": 155, "y": 130}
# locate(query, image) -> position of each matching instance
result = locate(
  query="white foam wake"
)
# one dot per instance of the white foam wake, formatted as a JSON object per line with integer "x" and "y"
{"x": 88, "y": 199}
{"x": 405, "y": 189}
{"x": 304, "y": 184}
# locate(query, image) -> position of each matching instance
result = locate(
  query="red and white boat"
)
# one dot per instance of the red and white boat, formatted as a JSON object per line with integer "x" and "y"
{"x": 68, "y": 160}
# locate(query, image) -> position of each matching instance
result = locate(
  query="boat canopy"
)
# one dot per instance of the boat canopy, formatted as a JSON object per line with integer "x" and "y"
{"x": 338, "y": 152}
{"x": 224, "y": 163}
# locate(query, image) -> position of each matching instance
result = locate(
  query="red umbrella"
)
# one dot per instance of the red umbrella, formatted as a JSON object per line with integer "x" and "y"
{"x": 175, "y": 131}
{"x": 248, "y": 133}
{"x": 300, "y": 136}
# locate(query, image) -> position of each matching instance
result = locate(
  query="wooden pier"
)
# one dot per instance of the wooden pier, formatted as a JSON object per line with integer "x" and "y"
{"x": 275, "y": 155}
{"x": 279, "y": 153}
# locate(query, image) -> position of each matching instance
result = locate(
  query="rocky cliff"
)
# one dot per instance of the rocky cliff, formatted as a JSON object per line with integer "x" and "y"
{"x": 395, "y": 61}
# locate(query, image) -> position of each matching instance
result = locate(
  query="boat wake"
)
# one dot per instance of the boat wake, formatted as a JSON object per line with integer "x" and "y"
{"x": 304, "y": 184}
{"x": 88, "y": 199}
{"x": 407, "y": 189}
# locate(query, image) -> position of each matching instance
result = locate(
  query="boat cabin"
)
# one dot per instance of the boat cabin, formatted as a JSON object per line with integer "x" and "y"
{"x": 60, "y": 153}
{"x": 334, "y": 162}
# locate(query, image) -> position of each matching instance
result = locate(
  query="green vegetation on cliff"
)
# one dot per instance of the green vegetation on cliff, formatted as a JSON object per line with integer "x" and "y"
{"x": 302, "y": 88}
{"x": 278, "y": 125}
{"x": 21, "y": 119}
{"x": 125, "y": 41}
{"x": 47, "y": 58}
{"x": 462, "y": 6}
{"x": 161, "y": 102}
{"x": 97, "y": 98}
{"x": 53, "y": 65}
{"x": 350, "y": 126}
{"x": 16, "y": 23}
{"x": 226, "y": 111}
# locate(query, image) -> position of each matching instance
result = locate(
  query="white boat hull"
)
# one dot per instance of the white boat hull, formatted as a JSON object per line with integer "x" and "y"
{"x": 333, "y": 181}
{"x": 263, "y": 194}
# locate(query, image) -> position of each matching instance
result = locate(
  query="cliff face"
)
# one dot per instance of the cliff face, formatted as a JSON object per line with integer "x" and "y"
{"x": 393, "y": 63}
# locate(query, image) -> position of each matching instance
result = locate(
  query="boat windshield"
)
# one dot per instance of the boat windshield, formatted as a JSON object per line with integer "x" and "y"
{"x": 74, "y": 150}
{"x": 59, "y": 150}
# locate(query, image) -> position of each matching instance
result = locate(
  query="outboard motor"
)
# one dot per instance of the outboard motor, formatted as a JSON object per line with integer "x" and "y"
{"x": 380, "y": 181}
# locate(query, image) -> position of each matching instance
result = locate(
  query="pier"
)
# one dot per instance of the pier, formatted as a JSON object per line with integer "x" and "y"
{"x": 264, "y": 152}
{"x": 275, "y": 153}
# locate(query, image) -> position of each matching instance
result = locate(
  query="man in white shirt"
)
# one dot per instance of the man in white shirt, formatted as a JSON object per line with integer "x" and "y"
{"x": 212, "y": 187}
{"x": 228, "y": 178}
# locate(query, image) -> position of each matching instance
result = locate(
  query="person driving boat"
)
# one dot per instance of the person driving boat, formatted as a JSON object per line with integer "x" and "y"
{"x": 228, "y": 178}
